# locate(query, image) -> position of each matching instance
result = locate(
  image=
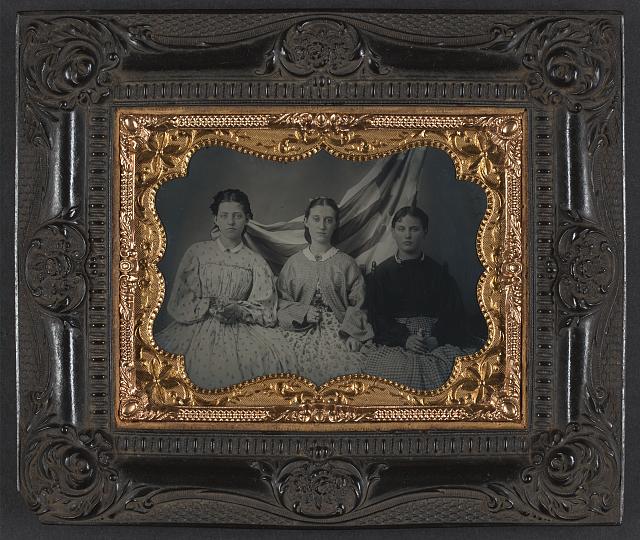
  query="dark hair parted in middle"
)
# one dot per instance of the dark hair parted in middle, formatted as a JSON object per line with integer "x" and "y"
{"x": 232, "y": 195}
{"x": 412, "y": 211}
{"x": 322, "y": 201}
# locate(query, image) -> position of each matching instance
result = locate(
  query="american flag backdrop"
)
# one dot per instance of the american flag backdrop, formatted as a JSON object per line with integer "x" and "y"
{"x": 366, "y": 211}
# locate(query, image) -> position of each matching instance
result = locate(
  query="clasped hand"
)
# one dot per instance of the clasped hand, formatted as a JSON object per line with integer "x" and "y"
{"x": 312, "y": 316}
{"x": 229, "y": 314}
{"x": 421, "y": 345}
{"x": 353, "y": 344}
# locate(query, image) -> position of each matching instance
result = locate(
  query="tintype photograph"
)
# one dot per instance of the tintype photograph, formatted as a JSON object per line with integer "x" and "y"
{"x": 320, "y": 269}
{"x": 321, "y": 266}
{"x": 376, "y": 275}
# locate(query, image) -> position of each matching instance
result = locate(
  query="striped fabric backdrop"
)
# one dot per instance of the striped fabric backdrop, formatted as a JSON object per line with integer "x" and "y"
{"x": 366, "y": 211}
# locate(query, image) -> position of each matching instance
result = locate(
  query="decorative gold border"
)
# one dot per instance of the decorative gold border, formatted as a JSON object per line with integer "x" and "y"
{"x": 486, "y": 390}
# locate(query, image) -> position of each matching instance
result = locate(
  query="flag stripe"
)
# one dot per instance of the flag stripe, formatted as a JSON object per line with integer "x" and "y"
{"x": 366, "y": 210}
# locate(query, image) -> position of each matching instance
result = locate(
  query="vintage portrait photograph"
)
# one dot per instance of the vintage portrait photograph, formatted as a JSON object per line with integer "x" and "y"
{"x": 290, "y": 268}
{"x": 338, "y": 267}
{"x": 320, "y": 268}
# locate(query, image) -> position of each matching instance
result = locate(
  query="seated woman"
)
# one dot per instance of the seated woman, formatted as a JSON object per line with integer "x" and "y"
{"x": 223, "y": 299}
{"x": 322, "y": 293}
{"x": 417, "y": 311}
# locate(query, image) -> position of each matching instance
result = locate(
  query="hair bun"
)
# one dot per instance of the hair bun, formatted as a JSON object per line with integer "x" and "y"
{"x": 231, "y": 195}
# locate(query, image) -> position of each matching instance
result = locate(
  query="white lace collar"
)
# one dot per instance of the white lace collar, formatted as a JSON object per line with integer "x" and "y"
{"x": 319, "y": 258}
{"x": 400, "y": 261}
{"x": 234, "y": 249}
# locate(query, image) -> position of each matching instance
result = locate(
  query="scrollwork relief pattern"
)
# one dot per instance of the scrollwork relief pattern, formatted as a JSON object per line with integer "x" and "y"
{"x": 588, "y": 269}
{"x": 66, "y": 472}
{"x": 320, "y": 486}
{"x": 71, "y": 474}
{"x": 574, "y": 65}
{"x": 573, "y": 475}
{"x": 71, "y": 61}
{"x": 323, "y": 48}
{"x": 571, "y": 62}
{"x": 54, "y": 264}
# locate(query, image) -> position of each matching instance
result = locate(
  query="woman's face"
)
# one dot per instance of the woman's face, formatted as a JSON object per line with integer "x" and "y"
{"x": 409, "y": 234}
{"x": 231, "y": 220}
{"x": 321, "y": 223}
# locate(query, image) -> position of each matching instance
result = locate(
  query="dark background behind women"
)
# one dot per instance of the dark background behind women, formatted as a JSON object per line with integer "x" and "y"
{"x": 278, "y": 191}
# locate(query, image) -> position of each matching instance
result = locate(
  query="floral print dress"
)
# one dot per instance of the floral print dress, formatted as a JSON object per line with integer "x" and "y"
{"x": 218, "y": 354}
{"x": 333, "y": 284}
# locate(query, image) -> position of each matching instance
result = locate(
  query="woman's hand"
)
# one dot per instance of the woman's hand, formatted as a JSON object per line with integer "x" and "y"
{"x": 416, "y": 344}
{"x": 231, "y": 313}
{"x": 353, "y": 344}
{"x": 431, "y": 342}
{"x": 312, "y": 316}
{"x": 421, "y": 345}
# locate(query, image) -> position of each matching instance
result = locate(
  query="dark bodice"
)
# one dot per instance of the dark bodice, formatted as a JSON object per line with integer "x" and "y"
{"x": 415, "y": 288}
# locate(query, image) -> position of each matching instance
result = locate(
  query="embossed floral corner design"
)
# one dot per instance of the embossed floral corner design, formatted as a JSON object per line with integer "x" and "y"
{"x": 320, "y": 485}
{"x": 486, "y": 389}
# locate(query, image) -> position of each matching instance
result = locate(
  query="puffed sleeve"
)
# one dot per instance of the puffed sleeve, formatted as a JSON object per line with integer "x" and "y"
{"x": 260, "y": 307}
{"x": 291, "y": 313}
{"x": 186, "y": 303}
{"x": 355, "y": 322}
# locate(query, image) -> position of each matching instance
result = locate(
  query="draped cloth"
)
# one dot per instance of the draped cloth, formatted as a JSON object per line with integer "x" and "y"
{"x": 366, "y": 211}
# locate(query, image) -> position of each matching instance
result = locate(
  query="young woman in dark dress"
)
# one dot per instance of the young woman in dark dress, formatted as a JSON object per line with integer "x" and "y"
{"x": 417, "y": 311}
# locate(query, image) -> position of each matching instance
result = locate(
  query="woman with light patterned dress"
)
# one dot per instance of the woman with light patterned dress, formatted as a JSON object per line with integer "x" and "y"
{"x": 223, "y": 304}
{"x": 322, "y": 293}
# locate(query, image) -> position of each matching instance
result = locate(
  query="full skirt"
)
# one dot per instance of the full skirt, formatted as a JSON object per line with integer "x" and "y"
{"x": 218, "y": 355}
{"x": 321, "y": 353}
{"x": 420, "y": 371}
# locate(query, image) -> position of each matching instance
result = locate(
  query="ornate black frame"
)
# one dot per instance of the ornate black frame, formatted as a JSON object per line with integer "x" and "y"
{"x": 75, "y": 467}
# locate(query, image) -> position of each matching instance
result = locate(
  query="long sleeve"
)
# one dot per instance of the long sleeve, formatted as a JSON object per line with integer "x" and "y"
{"x": 388, "y": 331}
{"x": 186, "y": 304}
{"x": 260, "y": 307}
{"x": 291, "y": 312}
{"x": 355, "y": 322}
{"x": 451, "y": 326}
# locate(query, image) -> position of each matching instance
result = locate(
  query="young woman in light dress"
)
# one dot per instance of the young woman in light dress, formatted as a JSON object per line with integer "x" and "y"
{"x": 322, "y": 294}
{"x": 223, "y": 304}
